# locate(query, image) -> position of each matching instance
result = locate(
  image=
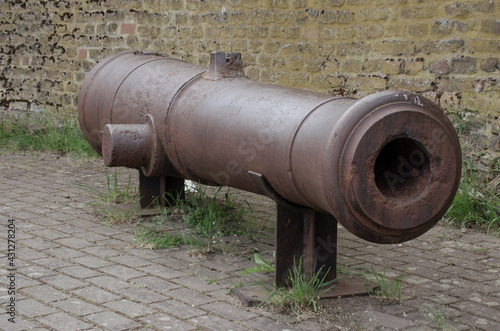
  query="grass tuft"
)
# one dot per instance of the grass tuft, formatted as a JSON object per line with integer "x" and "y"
{"x": 477, "y": 203}
{"x": 119, "y": 202}
{"x": 44, "y": 132}
{"x": 389, "y": 289}
{"x": 440, "y": 319}
{"x": 304, "y": 293}
{"x": 154, "y": 237}
{"x": 210, "y": 215}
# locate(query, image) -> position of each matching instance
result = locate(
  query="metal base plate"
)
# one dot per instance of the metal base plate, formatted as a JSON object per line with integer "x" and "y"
{"x": 345, "y": 286}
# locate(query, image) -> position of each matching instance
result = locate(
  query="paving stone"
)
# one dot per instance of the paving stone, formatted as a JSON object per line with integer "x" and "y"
{"x": 478, "y": 310}
{"x": 129, "y": 308}
{"x": 199, "y": 283}
{"x": 80, "y": 272}
{"x": 162, "y": 271}
{"x": 40, "y": 244}
{"x": 210, "y": 322}
{"x": 122, "y": 272}
{"x": 23, "y": 281}
{"x": 101, "y": 251}
{"x": 21, "y": 324}
{"x": 55, "y": 321}
{"x": 5, "y": 297}
{"x": 109, "y": 283}
{"x": 92, "y": 262}
{"x": 189, "y": 297}
{"x": 476, "y": 322}
{"x": 142, "y": 295}
{"x": 63, "y": 246}
{"x": 461, "y": 284}
{"x": 443, "y": 298}
{"x": 228, "y": 311}
{"x": 69, "y": 229}
{"x": 45, "y": 293}
{"x": 52, "y": 263}
{"x": 114, "y": 243}
{"x": 224, "y": 295}
{"x": 51, "y": 234}
{"x": 130, "y": 261}
{"x": 77, "y": 307}
{"x": 112, "y": 321}
{"x": 127, "y": 237}
{"x": 207, "y": 273}
{"x": 266, "y": 324}
{"x": 65, "y": 253}
{"x": 46, "y": 221}
{"x": 220, "y": 266}
{"x": 75, "y": 243}
{"x": 381, "y": 320}
{"x": 61, "y": 216}
{"x": 166, "y": 322}
{"x": 181, "y": 255}
{"x": 35, "y": 272}
{"x": 29, "y": 254}
{"x": 106, "y": 231}
{"x": 154, "y": 255}
{"x": 310, "y": 325}
{"x": 154, "y": 283}
{"x": 64, "y": 282}
{"x": 95, "y": 294}
{"x": 423, "y": 272}
{"x": 32, "y": 308}
{"x": 90, "y": 235}
{"x": 81, "y": 223}
{"x": 178, "y": 309}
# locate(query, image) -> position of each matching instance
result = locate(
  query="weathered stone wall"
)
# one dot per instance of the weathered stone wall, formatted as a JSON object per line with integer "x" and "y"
{"x": 447, "y": 50}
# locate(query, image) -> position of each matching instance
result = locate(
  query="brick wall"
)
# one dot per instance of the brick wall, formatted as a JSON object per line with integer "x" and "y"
{"x": 447, "y": 50}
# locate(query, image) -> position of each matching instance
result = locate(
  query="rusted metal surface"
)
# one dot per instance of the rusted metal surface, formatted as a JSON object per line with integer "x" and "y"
{"x": 386, "y": 166}
{"x": 159, "y": 190}
{"x": 302, "y": 236}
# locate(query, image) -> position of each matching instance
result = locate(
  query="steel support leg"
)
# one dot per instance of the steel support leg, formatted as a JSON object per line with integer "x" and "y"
{"x": 160, "y": 189}
{"x": 308, "y": 236}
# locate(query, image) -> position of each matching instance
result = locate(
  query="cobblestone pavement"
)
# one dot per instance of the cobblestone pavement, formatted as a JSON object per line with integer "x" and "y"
{"x": 75, "y": 273}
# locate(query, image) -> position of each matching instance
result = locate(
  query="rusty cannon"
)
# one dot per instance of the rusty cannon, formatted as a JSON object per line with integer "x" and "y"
{"x": 386, "y": 166}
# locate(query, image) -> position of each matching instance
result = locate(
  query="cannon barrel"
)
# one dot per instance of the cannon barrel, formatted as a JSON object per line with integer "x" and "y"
{"x": 386, "y": 166}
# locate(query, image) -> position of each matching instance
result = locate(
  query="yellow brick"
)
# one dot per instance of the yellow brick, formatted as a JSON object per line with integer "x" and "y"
{"x": 351, "y": 66}
{"x": 253, "y": 72}
{"x": 367, "y": 83}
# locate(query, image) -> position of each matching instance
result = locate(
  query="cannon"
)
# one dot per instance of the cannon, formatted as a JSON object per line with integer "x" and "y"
{"x": 386, "y": 166}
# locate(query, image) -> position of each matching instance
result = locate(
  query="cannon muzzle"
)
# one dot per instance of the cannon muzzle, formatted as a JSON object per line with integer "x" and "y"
{"x": 386, "y": 166}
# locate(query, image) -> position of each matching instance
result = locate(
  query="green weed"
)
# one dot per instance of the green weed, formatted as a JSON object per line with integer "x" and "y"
{"x": 153, "y": 237}
{"x": 119, "y": 202}
{"x": 116, "y": 214}
{"x": 209, "y": 215}
{"x": 116, "y": 193}
{"x": 477, "y": 203}
{"x": 45, "y": 132}
{"x": 350, "y": 272}
{"x": 303, "y": 294}
{"x": 260, "y": 266}
{"x": 390, "y": 289}
{"x": 440, "y": 319}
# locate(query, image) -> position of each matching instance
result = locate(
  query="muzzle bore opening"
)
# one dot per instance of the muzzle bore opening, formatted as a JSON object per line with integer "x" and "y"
{"x": 402, "y": 169}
